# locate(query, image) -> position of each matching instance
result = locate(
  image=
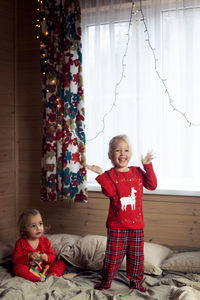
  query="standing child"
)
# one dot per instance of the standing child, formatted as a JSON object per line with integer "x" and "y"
{"x": 125, "y": 223}
{"x": 33, "y": 255}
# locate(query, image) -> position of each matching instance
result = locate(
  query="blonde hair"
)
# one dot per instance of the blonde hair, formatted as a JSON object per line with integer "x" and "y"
{"x": 23, "y": 219}
{"x": 114, "y": 140}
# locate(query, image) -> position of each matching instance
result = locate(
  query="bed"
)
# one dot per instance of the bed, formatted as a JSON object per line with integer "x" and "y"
{"x": 169, "y": 273}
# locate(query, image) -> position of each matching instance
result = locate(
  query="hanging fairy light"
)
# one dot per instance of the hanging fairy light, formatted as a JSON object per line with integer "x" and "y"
{"x": 135, "y": 12}
{"x": 116, "y": 93}
{"x": 41, "y": 25}
{"x": 163, "y": 80}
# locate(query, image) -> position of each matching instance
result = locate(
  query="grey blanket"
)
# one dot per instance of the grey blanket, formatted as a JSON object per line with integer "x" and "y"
{"x": 168, "y": 286}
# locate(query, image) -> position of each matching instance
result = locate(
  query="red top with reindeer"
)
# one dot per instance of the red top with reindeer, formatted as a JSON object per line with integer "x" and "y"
{"x": 125, "y": 190}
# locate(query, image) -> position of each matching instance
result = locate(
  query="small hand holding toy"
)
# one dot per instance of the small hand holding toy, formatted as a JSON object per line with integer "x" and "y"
{"x": 44, "y": 257}
{"x": 34, "y": 255}
{"x": 36, "y": 263}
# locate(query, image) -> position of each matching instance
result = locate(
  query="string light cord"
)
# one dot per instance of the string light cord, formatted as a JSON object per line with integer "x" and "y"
{"x": 148, "y": 40}
{"x": 120, "y": 80}
{"x": 170, "y": 100}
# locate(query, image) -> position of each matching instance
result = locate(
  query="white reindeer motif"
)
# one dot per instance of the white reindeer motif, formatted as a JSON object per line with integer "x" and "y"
{"x": 129, "y": 200}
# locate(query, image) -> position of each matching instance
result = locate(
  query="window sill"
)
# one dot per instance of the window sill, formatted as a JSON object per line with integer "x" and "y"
{"x": 96, "y": 188}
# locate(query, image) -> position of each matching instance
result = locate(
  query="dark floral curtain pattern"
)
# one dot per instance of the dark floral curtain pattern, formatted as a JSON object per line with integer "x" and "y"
{"x": 63, "y": 147}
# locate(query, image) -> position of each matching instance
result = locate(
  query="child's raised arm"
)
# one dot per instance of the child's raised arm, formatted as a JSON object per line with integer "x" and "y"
{"x": 148, "y": 158}
{"x": 95, "y": 169}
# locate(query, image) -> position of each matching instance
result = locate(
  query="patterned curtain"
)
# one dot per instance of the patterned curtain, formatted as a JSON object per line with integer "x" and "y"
{"x": 63, "y": 147}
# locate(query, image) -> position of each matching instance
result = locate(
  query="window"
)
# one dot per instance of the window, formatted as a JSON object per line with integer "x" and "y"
{"x": 132, "y": 92}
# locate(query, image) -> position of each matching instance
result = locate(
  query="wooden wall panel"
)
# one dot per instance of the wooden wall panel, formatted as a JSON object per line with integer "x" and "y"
{"x": 77, "y": 218}
{"x": 172, "y": 220}
{"x": 7, "y": 121}
{"x": 169, "y": 220}
{"x": 29, "y": 108}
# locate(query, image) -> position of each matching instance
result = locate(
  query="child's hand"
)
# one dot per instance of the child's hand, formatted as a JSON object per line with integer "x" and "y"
{"x": 148, "y": 158}
{"x": 33, "y": 255}
{"x": 44, "y": 257}
{"x": 95, "y": 169}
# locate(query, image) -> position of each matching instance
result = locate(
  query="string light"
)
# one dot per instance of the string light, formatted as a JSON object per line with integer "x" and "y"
{"x": 142, "y": 19}
{"x": 116, "y": 93}
{"x": 38, "y": 21}
{"x": 122, "y": 75}
{"x": 158, "y": 74}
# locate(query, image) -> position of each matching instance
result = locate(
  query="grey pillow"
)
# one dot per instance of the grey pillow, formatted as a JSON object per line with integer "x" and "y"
{"x": 89, "y": 251}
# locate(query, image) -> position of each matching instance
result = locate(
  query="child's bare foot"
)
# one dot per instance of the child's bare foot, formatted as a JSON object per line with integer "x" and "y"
{"x": 69, "y": 275}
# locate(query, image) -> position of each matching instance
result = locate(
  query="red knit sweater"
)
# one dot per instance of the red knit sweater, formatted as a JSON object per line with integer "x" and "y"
{"x": 23, "y": 248}
{"x": 125, "y": 190}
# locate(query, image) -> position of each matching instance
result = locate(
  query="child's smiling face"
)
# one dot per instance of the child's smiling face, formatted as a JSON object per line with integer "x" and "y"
{"x": 121, "y": 155}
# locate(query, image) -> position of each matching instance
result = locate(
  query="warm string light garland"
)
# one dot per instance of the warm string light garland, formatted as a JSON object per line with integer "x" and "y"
{"x": 42, "y": 28}
{"x": 121, "y": 77}
{"x": 171, "y": 101}
{"x": 163, "y": 81}
{"x": 38, "y": 25}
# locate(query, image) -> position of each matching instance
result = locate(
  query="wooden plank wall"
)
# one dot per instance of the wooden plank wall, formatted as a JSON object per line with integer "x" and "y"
{"x": 7, "y": 120}
{"x": 29, "y": 113}
{"x": 171, "y": 220}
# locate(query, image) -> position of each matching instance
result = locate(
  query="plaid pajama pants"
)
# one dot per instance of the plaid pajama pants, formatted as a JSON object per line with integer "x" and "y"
{"x": 121, "y": 242}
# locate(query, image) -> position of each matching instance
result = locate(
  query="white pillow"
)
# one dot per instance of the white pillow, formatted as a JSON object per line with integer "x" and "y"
{"x": 61, "y": 242}
{"x": 89, "y": 251}
{"x": 183, "y": 262}
{"x": 184, "y": 293}
{"x": 154, "y": 254}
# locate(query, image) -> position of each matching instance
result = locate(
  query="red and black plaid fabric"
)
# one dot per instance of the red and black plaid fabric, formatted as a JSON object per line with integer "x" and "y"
{"x": 121, "y": 242}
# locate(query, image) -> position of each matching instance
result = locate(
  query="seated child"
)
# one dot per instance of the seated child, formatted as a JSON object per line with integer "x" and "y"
{"x": 33, "y": 257}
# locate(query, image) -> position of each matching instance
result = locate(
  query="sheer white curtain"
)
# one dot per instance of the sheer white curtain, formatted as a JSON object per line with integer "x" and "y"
{"x": 134, "y": 89}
